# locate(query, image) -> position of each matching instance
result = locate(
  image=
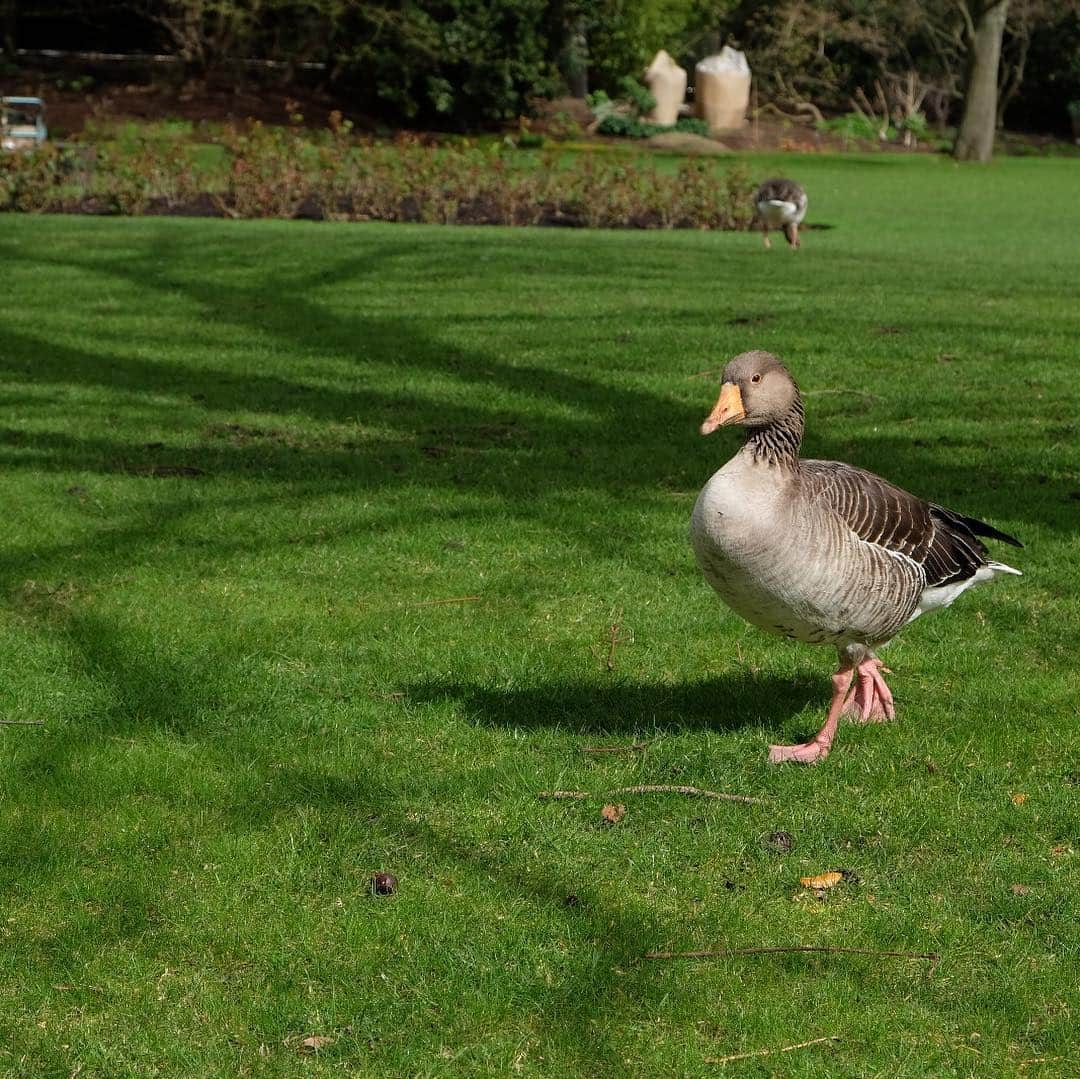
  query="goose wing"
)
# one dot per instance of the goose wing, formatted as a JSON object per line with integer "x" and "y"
{"x": 781, "y": 190}
{"x": 945, "y": 545}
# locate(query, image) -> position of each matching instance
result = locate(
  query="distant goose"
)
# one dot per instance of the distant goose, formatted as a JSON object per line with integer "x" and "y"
{"x": 821, "y": 551}
{"x": 781, "y": 204}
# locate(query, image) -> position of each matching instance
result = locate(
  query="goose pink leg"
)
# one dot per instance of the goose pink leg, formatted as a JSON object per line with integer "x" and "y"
{"x": 818, "y": 749}
{"x": 871, "y": 702}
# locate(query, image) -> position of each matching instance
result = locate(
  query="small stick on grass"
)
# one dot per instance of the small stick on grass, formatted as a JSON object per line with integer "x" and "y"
{"x": 769, "y": 1052}
{"x": 437, "y": 602}
{"x": 615, "y": 749}
{"x": 657, "y": 788}
{"x": 613, "y": 640}
{"x": 667, "y": 788}
{"x": 22, "y": 723}
{"x": 725, "y": 953}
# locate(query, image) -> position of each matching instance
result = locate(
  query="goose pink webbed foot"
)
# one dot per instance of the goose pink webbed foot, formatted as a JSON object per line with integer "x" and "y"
{"x": 818, "y": 749}
{"x": 871, "y": 701}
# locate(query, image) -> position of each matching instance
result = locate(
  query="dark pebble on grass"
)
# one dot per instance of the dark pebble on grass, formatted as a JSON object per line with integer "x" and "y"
{"x": 779, "y": 841}
{"x": 383, "y": 884}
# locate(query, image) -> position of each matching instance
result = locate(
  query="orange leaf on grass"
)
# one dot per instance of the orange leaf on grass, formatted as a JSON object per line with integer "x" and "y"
{"x": 822, "y": 880}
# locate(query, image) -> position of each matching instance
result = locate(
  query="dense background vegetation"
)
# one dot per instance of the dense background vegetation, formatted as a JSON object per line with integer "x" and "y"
{"x": 466, "y": 62}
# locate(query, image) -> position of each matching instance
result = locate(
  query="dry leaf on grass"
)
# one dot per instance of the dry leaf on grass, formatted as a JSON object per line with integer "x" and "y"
{"x": 314, "y": 1043}
{"x": 1019, "y": 799}
{"x": 1020, "y": 889}
{"x": 612, "y": 814}
{"x": 822, "y": 880}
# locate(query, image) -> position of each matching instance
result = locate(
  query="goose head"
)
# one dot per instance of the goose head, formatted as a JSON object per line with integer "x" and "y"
{"x": 756, "y": 391}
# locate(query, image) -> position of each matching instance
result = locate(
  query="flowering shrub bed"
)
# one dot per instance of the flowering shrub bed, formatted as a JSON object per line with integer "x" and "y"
{"x": 285, "y": 173}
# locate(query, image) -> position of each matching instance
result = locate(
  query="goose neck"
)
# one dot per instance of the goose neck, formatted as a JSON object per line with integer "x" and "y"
{"x": 778, "y": 443}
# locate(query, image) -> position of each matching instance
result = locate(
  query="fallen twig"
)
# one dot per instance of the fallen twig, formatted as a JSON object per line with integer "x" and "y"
{"x": 704, "y": 374}
{"x": 667, "y": 788}
{"x": 614, "y": 639}
{"x": 615, "y": 749}
{"x": 657, "y": 788}
{"x": 723, "y": 953}
{"x": 436, "y": 602}
{"x": 22, "y": 723}
{"x": 403, "y": 604}
{"x": 768, "y": 1052}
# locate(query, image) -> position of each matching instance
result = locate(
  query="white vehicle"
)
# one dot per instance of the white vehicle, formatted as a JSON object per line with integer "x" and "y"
{"x": 22, "y": 123}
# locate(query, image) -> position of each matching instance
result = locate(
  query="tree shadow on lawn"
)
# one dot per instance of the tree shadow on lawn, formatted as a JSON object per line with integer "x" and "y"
{"x": 157, "y": 691}
{"x": 623, "y": 440}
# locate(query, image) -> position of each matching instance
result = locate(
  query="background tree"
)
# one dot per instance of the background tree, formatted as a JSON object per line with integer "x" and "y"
{"x": 469, "y": 63}
{"x": 984, "y": 28}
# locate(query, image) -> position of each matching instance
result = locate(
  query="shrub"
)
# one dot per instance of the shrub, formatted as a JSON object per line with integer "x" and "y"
{"x": 34, "y": 181}
{"x": 627, "y": 127}
{"x": 285, "y": 172}
{"x": 856, "y": 127}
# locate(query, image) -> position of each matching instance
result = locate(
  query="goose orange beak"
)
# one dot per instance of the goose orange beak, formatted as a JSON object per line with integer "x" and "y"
{"x": 728, "y": 409}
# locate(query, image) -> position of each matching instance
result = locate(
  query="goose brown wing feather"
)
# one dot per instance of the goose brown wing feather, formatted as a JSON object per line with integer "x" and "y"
{"x": 779, "y": 188}
{"x": 945, "y": 544}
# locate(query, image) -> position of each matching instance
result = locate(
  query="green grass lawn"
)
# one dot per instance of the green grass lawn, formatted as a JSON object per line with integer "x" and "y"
{"x": 315, "y": 536}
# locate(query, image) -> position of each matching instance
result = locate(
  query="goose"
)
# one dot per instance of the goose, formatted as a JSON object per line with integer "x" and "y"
{"x": 821, "y": 551}
{"x": 781, "y": 204}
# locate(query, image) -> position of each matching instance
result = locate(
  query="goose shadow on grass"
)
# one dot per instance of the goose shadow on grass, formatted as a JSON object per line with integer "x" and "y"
{"x": 727, "y": 702}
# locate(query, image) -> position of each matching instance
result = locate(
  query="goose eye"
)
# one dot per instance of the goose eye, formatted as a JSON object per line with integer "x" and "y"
{"x": 755, "y": 378}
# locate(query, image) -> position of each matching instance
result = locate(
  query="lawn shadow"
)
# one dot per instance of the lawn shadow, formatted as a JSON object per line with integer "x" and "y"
{"x": 586, "y": 433}
{"x": 159, "y": 691}
{"x": 724, "y": 703}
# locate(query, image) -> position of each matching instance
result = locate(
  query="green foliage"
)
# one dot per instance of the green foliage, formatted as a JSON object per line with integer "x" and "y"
{"x": 637, "y": 95}
{"x": 627, "y": 127}
{"x": 78, "y": 84}
{"x": 917, "y": 124}
{"x": 458, "y": 62}
{"x": 624, "y": 35}
{"x": 855, "y": 127}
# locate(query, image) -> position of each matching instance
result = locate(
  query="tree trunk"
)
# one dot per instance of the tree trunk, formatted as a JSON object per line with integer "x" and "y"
{"x": 975, "y": 142}
{"x": 8, "y": 13}
{"x": 574, "y": 59}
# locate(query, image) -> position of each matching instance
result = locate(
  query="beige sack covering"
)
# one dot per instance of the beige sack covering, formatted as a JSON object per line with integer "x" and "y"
{"x": 722, "y": 89}
{"x": 667, "y": 83}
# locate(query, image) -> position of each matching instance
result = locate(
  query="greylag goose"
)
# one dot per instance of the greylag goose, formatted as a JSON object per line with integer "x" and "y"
{"x": 781, "y": 204}
{"x": 821, "y": 551}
